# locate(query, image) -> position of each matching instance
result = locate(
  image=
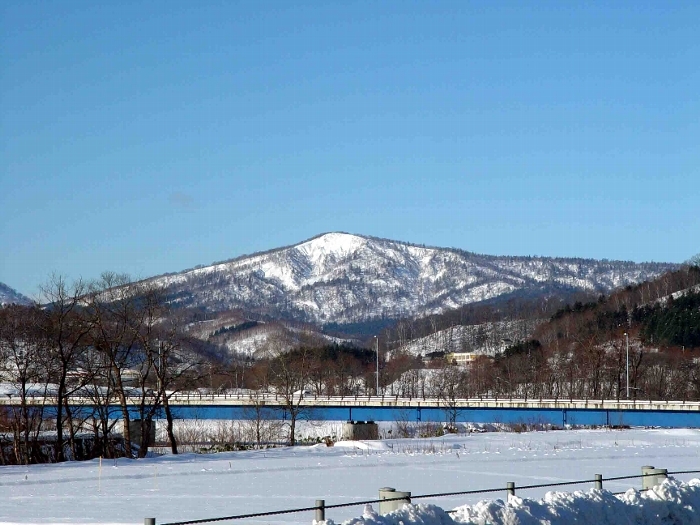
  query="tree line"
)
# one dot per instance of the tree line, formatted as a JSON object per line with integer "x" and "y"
{"x": 90, "y": 347}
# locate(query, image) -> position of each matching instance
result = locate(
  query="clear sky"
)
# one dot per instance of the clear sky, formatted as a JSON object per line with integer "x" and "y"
{"x": 149, "y": 137}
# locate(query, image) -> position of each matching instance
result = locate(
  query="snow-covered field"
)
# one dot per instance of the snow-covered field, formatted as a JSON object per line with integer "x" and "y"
{"x": 192, "y": 486}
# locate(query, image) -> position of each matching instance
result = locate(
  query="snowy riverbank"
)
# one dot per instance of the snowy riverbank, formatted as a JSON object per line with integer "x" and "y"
{"x": 196, "y": 486}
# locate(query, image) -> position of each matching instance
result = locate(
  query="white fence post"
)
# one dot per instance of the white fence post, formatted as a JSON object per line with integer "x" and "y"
{"x": 652, "y": 476}
{"x": 598, "y": 483}
{"x": 320, "y": 514}
{"x": 394, "y": 499}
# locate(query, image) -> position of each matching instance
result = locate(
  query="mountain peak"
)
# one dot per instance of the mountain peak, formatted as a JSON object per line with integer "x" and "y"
{"x": 333, "y": 246}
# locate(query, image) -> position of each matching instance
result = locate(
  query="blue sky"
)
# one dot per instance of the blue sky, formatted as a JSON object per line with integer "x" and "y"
{"x": 151, "y": 137}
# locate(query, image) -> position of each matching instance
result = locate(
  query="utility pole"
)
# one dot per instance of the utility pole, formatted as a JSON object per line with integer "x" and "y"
{"x": 159, "y": 372}
{"x": 376, "y": 348}
{"x": 627, "y": 339}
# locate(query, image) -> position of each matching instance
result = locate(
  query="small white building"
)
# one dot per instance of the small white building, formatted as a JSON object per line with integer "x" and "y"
{"x": 461, "y": 358}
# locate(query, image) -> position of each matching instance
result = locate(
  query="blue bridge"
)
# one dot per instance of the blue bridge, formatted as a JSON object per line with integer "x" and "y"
{"x": 556, "y": 412}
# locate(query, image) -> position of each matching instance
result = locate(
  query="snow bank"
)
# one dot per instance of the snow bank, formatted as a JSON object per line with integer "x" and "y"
{"x": 671, "y": 503}
{"x": 362, "y": 445}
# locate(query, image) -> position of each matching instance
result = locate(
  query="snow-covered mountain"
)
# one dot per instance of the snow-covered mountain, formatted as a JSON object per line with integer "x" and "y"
{"x": 11, "y": 296}
{"x": 342, "y": 278}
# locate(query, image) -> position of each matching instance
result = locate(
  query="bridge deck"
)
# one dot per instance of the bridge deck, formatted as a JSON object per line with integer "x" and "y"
{"x": 272, "y": 400}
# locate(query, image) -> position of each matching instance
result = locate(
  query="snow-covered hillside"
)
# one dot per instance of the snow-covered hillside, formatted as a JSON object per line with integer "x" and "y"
{"x": 10, "y": 296}
{"x": 340, "y": 278}
{"x": 242, "y": 336}
{"x": 271, "y": 339}
{"x": 692, "y": 290}
{"x": 484, "y": 339}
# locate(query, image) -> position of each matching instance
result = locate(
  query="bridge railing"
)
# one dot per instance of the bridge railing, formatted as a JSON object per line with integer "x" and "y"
{"x": 385, "y": 400}
{"x": 310, "y": 399}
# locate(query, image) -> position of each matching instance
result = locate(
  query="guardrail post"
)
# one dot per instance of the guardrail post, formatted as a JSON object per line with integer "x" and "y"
{"x": 149, "y": 521}
{"x": 510, "y": 488}
{"x": 392, "y": 499}
{"x": 647, "y": 479}
{"x": 598, "y": 483}
{"x": 653, "y": 476}
{"x": 320, "y": 510}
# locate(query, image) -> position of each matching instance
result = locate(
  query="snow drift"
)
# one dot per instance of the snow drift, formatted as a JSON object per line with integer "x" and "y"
{"x": 671, "y": 503}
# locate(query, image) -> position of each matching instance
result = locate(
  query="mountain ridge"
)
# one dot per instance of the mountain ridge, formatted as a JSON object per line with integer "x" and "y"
{"x": 341, "y": 277}
{"x": 407, "y": 243}
{"x": 11, "y": 296}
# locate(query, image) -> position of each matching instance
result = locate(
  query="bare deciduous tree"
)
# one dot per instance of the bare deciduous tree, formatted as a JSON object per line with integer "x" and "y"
{"x": 66, "y": 329}
{"x": 289, "y": 376}
{"x": 22, "y": 357}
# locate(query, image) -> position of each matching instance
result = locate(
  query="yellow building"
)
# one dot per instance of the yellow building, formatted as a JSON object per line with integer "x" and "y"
{"x": 461, "y": 358}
